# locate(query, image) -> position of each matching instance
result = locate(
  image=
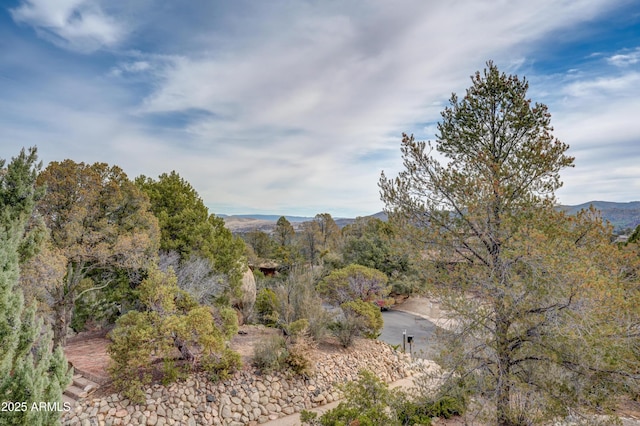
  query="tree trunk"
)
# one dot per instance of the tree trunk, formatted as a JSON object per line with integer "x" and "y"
{"x": 503, "y": 385}
{"x": 62, "y": 318}
{"x": 65, "y": 302}
{"x": 184, "y": 349}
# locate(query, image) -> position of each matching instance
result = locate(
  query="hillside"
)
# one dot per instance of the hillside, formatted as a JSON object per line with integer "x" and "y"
{"x": 621, "y": 215}
{"x": 246, "y": 222}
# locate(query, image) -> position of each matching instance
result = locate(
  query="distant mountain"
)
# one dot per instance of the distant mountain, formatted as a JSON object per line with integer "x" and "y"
{"x": 271, "y": 217}
{"x": 621, "y": 215}
{"x": 264, "y": 222}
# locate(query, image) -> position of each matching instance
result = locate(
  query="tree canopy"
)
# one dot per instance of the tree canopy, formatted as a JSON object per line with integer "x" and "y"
{"x": 354, "y": 282}
{"x": 518, "y": 275}
{"x": 99, "y": 221}
{"x": 187, "y": 228}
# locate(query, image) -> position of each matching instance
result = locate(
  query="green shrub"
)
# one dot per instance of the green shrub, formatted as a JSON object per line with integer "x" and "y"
{"x": 422, "y": 411}
{"x": 369, "y": 401}
{"x": 223, "y": 366}
{"x": 346, "y": 330}
{"x": 296, "y": 329}
{"x": 447, "y": 407}
{"x": 226, "y": 319}
{"x": 266, "y": 307}
{"x": 170, "y": 372}
{"x": 309, "y": 418}
{"x": 130, "y": 351}
{"x": 360, "y": 319}
{"x": 370, "y": 314}
{"x": 343, "y": 414}
{"x": 270, "y": 354}
{"x": 171, "y": 320}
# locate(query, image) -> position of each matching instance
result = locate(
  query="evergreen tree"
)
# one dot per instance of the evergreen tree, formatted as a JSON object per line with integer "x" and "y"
{"x": 284, "y": 232}
{"x": 286, "y": 252}
{"x": 101, "y": 223}
{"x": 187, "y": 228}
{"x": 30, "y": 372}
{"x": 530, "y": 289}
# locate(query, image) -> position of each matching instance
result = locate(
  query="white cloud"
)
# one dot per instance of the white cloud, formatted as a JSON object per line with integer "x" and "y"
{"x": 130, "y": 68}
{"x": 79, "y": 25}
{"x": 612, "y": 86}
{"x": 299, "y": 105}
{"x": 597, "y": 116}
{"x": 630, "y": 57}
{"x": 334, "y": 86}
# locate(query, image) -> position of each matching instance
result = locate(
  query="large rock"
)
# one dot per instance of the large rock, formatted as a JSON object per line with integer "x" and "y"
{"x": 245, "y": 302}
{"x": 248, "y": 288}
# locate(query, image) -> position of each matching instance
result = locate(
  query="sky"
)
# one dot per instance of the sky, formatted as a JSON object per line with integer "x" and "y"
{"x": 295, "y": 107}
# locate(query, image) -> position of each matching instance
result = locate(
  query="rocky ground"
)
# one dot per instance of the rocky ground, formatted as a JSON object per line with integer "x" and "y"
{"x": 248, "y": 398}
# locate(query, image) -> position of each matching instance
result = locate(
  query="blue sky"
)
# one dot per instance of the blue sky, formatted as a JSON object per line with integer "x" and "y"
{"x": 295, "y": 107}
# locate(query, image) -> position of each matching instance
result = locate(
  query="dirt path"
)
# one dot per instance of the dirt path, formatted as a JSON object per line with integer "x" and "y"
{"x": 87, "y": 352}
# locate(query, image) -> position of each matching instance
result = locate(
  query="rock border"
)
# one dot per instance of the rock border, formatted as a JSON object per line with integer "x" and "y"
{"x": 248, "y": 397}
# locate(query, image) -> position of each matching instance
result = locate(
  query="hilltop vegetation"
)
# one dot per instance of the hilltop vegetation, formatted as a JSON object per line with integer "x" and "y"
{"x": 145, "y": 259}
{"x": 546, "y": 307}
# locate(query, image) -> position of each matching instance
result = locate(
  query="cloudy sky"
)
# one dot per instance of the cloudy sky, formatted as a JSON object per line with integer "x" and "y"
{"x": 296, "y": 107}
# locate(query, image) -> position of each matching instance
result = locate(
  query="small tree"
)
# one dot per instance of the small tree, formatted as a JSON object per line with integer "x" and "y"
{"x": 171, "y": 320}
{"x": 375, "y": 244}
{"x": 286, "y": 252}
{"x": 310, "y": 242}
{"x": 30, "y": 372}
{"x": 283, "y": 233}
{"x": 352, "y": 283}
{"x": 263, "y": 246}
{"x": 328, "y": 230}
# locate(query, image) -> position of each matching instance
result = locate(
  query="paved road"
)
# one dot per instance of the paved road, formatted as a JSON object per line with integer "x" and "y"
{"x": 396, "y": 322}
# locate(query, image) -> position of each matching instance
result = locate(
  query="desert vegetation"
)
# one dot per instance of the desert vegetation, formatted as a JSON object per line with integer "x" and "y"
{"x": 545, "y": 305}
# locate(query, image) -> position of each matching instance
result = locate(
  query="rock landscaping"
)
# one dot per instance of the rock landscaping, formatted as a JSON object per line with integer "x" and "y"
{"x": 248, "y": 397}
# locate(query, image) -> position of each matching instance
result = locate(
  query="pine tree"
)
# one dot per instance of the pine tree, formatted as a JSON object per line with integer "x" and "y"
{"x": 30, "y": 372}
{"x": 531, "y": 290}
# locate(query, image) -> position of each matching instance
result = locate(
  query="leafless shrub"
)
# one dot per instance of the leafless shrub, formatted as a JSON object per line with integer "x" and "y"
{"x": 196, "y": 276}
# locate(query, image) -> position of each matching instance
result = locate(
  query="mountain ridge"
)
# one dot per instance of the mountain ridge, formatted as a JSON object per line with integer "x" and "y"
{"x": 622, "y": 215}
